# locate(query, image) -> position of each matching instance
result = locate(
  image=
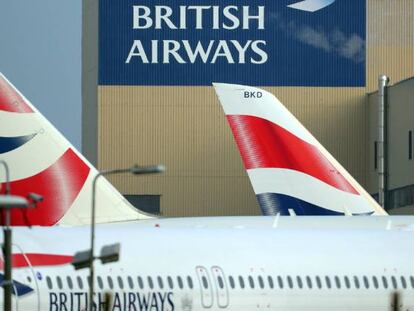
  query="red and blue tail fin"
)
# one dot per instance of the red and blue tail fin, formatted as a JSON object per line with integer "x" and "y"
{"x": 290, "y": 171}
{"x": 41, "y": 160}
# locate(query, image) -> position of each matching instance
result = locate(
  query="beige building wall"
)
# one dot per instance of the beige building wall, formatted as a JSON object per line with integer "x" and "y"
{"x": 185, "y": 129}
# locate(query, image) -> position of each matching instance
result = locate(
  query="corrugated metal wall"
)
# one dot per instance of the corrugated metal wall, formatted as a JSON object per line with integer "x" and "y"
{"x": 185, "y": 129}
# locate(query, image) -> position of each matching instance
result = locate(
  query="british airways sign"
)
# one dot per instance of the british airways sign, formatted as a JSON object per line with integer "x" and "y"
{"x": 256, "y": 42}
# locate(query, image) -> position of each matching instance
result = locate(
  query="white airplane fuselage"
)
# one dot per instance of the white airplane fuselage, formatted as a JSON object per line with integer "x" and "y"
{"x": 273, "y": 267}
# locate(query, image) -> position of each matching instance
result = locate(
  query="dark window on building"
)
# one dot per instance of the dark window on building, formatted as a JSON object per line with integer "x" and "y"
{"x": 410, "y": 145}
{"x": 375, "y": 155}
{"x": 149, "y": 203}
{"x": 241, "y": 281}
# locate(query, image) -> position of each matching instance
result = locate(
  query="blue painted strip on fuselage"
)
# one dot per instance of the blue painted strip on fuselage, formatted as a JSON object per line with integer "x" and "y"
{"x": 18, "y": 289}
{"x": 274, "y": 203}
{"x": 11, "y": 143}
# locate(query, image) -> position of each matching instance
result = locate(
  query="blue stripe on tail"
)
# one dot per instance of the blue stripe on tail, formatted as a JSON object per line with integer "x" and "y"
{"x": 276, "y": 203}
{"x": 10, "y": 143}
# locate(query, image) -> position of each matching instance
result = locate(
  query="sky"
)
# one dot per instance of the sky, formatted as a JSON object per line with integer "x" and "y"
{"x": 40, "y": 53}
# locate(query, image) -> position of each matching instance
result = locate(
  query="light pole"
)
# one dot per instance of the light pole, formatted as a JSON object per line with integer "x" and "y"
{"x": 136, "y": 170}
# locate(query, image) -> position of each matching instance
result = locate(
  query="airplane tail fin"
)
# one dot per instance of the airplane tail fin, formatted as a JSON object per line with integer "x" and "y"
{"x": 42, "y": 161}
{"x": 290, "y": 171}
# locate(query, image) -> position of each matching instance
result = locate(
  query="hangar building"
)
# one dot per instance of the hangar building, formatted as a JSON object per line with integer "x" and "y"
{"x": 147, "y": 94}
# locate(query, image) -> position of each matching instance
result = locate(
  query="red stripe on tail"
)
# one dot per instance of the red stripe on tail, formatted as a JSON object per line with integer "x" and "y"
{"x": 10, "y": 100}
{"x": 263, "y": 144}
{"x": 59, "y": 185}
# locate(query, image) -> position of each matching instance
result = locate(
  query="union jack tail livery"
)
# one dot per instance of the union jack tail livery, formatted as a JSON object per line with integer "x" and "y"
{"x": 290, "y": 171}
{"x": 41, "y": 160}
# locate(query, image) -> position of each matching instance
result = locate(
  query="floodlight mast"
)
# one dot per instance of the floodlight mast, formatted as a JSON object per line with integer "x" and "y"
{"x": 136, "y": 170}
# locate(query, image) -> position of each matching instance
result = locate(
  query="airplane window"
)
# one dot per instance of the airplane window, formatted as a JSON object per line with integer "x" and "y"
{"x": 49, "y": 282}
{"x": 100, "y": 282}
{"x": 366, "y": 282}
{"x": 356, "y": 281}
{"x": 88, "y": 279}
{"x": 280, "y": 281}
{"x": 384, "y": 282}
{"x": 120, "y": 282}
{"x": 170, "y": 282}
{"x": 110, "y": 283}
{"x": 347, "y": 283}
{"x": 412, "y": 281}
{"x": 231, "y": 281}
{"x": 190, "y": 282}
{"x": 140, "y": 282}
{"x": 375, "y": 281}
{"x": 59, "y": 282}
{"x": 309, "y": 282}
{"x": 328, "y": 282}
{"x": 69, "y": 281}
{"x": 130, "y": 282}
{"x": 29, "y": 279}
{"x": 160, "y": 282}
{"x": 299, "y": 280}
{"x": 251, "y": 281}
{"x": 204, "y": 281}
{"x": 290, "y": 282}
{"x": 318, "y": 282}
{"x": 180, "y": 282}
{"x": 80, "y": 283}
{"x": 241, "y": 281}
{"x": 337, "y": 282}
{"x": 220, "y": 282}
{"x": 394, "y": 282}
{"x": 261, "y": 283}
{"x": 403, "y": 282}
{"x": 270, "y": 281}
{"x": 150, "y": 282}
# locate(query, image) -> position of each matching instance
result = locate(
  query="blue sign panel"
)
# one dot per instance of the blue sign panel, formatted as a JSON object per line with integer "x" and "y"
{"x": 253, "y": 42}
